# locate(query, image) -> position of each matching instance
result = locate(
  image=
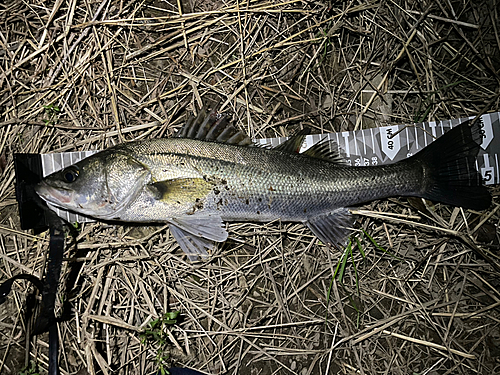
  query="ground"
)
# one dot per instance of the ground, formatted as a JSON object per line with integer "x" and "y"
{"x": 81, "y": 75}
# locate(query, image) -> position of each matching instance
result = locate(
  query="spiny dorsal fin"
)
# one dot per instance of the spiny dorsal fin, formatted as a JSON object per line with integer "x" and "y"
{"x": 294, "y": 143}
{"x": 325, "y": 150}
{"x": 214, "y": 127}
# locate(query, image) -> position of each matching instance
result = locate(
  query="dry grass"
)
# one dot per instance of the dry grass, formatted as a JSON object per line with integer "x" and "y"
{"x": 119, "y": 71}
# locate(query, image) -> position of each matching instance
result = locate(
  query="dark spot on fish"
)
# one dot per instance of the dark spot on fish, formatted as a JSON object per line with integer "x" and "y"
{"x": 271, "y": 188}
{"x": 164, "y": 170}
{"x": 260, "y": 199}
{"x": 226, "y": 187}
{"x": 224, "y": 182}
{"x": 216, "y": 191}
{"x": 178, "y": 202}
{"x": 247, "y": 201}
{"x": 305, "y": 210}
{"x": 258, "y": 212}
{"x": 198, "y": 205}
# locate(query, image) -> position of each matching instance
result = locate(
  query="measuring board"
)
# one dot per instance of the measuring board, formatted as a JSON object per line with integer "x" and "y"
{"x": 376, "y": 146}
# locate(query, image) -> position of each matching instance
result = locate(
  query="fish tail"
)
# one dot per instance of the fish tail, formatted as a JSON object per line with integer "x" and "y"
{"x": 450, "y": 174}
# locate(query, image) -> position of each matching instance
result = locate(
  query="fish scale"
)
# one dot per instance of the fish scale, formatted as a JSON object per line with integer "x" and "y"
{"x": 197, "y": 184}
{"x": 268, "y": 180}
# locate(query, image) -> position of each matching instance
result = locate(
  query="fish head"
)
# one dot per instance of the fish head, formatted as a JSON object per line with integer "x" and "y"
{"x": 101, "y": 186}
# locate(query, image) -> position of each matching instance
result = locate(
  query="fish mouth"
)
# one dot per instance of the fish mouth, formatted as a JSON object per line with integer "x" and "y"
{"x": 57, "y": 196}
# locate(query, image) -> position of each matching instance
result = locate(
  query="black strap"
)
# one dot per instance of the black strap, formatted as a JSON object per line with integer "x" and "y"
{"x": 51, "y": 283}
{"x": 49, "y": 292}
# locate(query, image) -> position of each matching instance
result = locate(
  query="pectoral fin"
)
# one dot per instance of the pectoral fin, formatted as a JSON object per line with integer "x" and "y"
{"x": 333, "y": 227}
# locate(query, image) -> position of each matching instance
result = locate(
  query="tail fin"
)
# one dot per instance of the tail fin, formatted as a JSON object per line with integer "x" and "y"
{"x": 450, "y": 173}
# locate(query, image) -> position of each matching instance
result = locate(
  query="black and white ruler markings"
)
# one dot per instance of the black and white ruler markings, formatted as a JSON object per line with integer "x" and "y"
{"x": 376, "y": 146}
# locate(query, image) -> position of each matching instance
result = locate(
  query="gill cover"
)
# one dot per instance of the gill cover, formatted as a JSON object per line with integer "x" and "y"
{"x": 124, "y": 180}
{"x": 101, "y": 185}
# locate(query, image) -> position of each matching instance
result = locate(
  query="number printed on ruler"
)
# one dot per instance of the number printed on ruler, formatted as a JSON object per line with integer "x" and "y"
{"x": 488, "y": 172}
{"x": 390, "y": 140}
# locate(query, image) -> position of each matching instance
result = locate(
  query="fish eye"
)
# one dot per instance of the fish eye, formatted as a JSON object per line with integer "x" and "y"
{"x": 70, "y": 174}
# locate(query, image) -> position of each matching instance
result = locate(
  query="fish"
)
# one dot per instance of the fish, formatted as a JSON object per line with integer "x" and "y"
{"x": 211, "y": 173}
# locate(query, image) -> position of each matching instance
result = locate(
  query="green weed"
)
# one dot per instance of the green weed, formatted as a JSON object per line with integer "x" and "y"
{"x": 357, "y": 241}
{"x": 31, "y": 369}
{"x": 52, "y": 112}
{"x": 156, "y": 333}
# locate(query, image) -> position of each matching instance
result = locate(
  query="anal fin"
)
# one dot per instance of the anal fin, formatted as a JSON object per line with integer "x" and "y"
{"x": 332, "y": 227}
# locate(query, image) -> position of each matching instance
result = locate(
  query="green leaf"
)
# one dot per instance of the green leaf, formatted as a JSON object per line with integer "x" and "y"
{"x": 344, "y": 261}
{"x": 172, "y": 315}
{"x": 358, "y": 243}
{"x": 355, "y": 273}
{"x": 157, "y": 334}
{"x": 378, "y": 246}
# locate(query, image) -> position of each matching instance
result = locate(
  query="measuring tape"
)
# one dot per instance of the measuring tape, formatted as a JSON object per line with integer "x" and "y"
{"x": 367, "y": 147}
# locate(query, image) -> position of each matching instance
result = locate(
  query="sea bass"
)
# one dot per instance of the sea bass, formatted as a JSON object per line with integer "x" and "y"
{"x": 211, "y": 173}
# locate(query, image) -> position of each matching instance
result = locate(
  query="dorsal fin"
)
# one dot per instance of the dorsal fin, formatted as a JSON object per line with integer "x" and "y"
{"x": 294, "y": 143}
{"x": 214, "y": 127}
{"x": 326, "y": 150}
